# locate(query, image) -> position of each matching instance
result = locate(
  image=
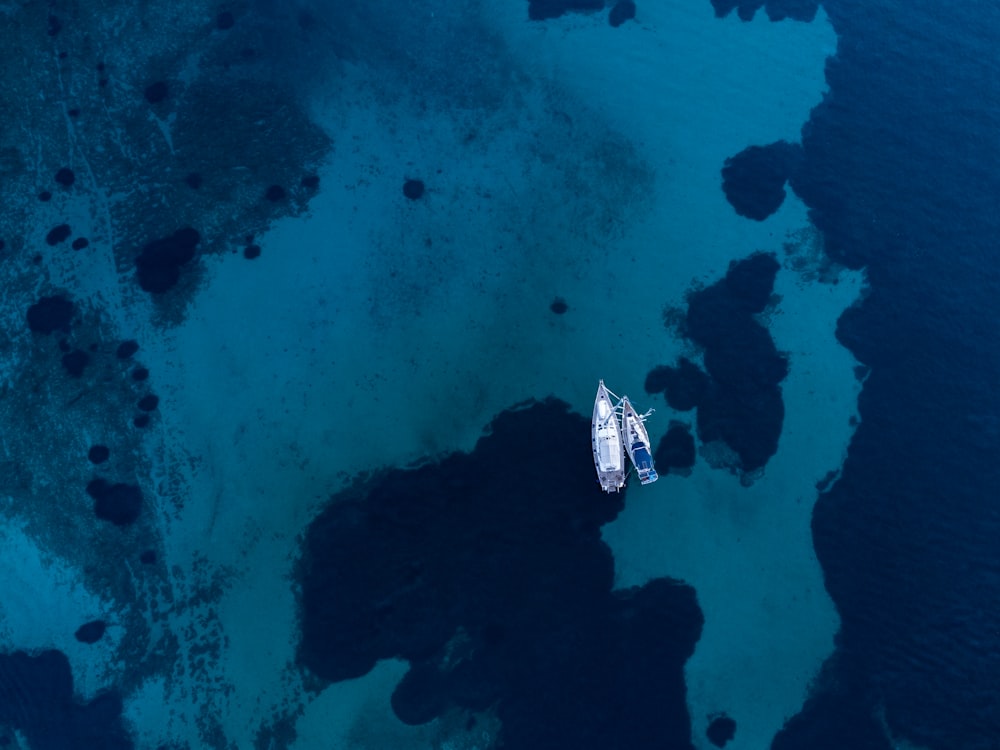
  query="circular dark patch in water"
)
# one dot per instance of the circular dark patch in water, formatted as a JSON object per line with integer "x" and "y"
{"x": 45, "y": 196}
{"x": 98, "y": 454}
{"x": 127, "y": 348}
{"x": 676, "y": 450}
{"x": 754, "y": 179}
{"x": 657, "y": 379}
{"x": 149, "y": 402}
{"x": 148, "y": 557}
{"x": 721, "y": 730}
{"x": 193, "y": 180}
{"x": 50, "y": 314}
{"x": 57, "y": 234}
{"x": 141, "y": 421}
{"x": 139, "y": 374}
{"x": 75, "y": 361}
{"x": 225, "y": 20}
{"x": 65, "y": 177}
{"x": 80, "y": 242}
{"x": 559, "y": 306}
{"x": 413, "y": 189}
{"x": 156, "y": 92}
{"x": 275, "y": 193}
{"x": 91, "y": 632}
{"x": 251, "y": 251}
{"x": 310, "y": 182}
{"x": 159, "y": 263}
{"x": 118, "y": 503}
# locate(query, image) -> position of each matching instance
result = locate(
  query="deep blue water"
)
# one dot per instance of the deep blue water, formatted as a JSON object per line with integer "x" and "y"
{"x": 899, "y": 173}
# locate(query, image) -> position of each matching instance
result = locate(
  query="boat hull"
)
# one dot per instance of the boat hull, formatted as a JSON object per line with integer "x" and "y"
{"x": 607, "y": 443}
{"x": 637, "y": 443}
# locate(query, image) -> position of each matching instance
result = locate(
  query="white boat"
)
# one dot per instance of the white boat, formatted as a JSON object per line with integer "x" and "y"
{"x": 606, "y": 437}
{"x": 637, "y": 441}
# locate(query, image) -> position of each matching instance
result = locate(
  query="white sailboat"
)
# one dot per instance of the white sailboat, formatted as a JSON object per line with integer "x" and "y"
{"x": 606, "y": 439}
{"x": 637, "y": 441}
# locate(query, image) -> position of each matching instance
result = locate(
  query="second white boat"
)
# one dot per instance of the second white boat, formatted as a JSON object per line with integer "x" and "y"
{"x": 637, "y": 442}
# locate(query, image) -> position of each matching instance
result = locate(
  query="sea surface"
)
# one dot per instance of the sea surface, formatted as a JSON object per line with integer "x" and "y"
{"x": 303, "y": 307}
